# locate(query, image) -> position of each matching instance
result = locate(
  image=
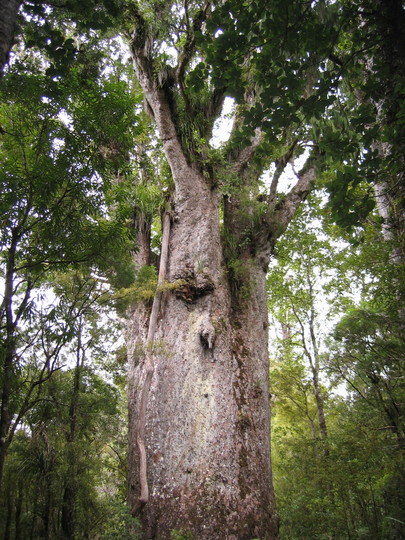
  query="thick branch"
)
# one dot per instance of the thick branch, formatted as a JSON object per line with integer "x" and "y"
{"x": 189, "y": 46}
{"x": 281, "y": 164}
{"x": 242, "y": 156}
{"x": 286, "y": 209}
{"x": 140, "y": 39}
{"x": 278, "y": 216}
{"x": 215, "y": 104}
{"x": 156, "y": 96}
{"x": 187, "y": 53}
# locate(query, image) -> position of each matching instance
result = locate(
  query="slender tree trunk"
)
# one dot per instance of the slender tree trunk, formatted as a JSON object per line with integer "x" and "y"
{"x": 33, "y": 518}
{"x": 314, "y": 363}
{"x": 389, "y": 19}
{"x": 68, "y": 524}
{"x": 312, "y": 353}
{"x": 9, "y": 515}
{"x": 8, "y": 16}
{"x": 7, "y": 353}
{"x": 18, "y": 511}
{"x": 47, "y": 513}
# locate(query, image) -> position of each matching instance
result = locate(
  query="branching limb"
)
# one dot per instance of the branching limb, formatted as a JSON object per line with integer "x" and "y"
{"x": 245, "y": 154}
{"x": 280, "y": 213}
{"x": 281, "y": 164}
{"x": 189, "y": 46}
{"x": 214, "y": 106}
{"x": 286, "y": 209}
{"x": 141, "y": 41}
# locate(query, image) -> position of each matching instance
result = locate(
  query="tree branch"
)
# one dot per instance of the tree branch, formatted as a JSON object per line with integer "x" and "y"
{"x": 287, "y": 207}
{"x": 281, "y": 164}
{"x": 140, "y": 39}
{"x": 213, "y": 109}
{"x": 9, "y": 10}
{"x": 242, "y": 156}
{"x": 189, "y": 46}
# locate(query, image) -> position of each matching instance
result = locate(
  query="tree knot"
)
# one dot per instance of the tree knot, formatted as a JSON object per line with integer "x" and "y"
{"x": 192, "y": 286}
{"x": 207, "y": 333}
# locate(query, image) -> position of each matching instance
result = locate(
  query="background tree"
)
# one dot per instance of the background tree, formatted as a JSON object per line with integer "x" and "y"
{"x": 301, "y": 301}
{"x": 9, "y": 10}
{"x": 367, "y": 354}
{"x": 67, "y": 445}
{"x": 300, "y": 285}
{"x": 356, "y": 489}
{"x": 54, "y": 182}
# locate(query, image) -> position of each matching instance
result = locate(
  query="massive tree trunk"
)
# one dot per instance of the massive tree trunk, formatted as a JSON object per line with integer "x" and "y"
{"x": 207, "y": 418}
{"x": 199, "y": 415}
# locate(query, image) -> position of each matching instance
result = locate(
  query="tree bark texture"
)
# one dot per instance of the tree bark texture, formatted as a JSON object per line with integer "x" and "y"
{"x": 8, "y": 16}
{"x": 8, "y": 353}
{"x": 207, "y": 417}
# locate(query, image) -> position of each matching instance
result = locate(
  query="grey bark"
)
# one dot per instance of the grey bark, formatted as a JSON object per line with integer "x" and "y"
{"x": 149, "y": 363}
{"x": 207, "y": 419}
{"x": 315, "y": 368}
{"x": 207, "y": 422}
{"x": 8, "y": 17}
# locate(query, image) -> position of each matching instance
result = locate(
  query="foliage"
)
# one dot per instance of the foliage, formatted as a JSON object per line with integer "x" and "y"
{"x": 330, "y": 70}
{"x": 143, "y": 288}
{"x": 67, "y": 128}
{"x": 181, "y": 535}
{"x": 287, "y": 43}
{"x": 64, "y": 445}
{"x": 120, "y": 525}
{"x": 356, "y": 492}
{"x": 39, "y": 462}
{"x": 55, "y": 176}
{"x": 82, "y": 176}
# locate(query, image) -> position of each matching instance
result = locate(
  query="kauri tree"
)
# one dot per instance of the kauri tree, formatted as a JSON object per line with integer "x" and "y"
{"x": 199, "y": 449}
